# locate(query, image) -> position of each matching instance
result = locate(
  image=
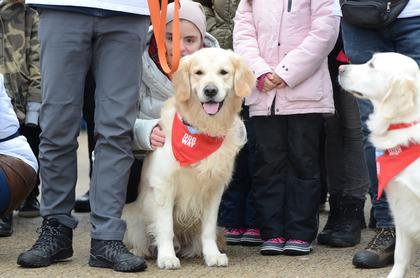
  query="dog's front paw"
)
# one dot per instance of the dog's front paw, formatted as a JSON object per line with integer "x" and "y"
{"x": 216, "y": 260}
{"x": 170, "y": 262}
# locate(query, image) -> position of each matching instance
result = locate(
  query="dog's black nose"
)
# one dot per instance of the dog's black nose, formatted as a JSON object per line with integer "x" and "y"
{"x": 210, "y": 91}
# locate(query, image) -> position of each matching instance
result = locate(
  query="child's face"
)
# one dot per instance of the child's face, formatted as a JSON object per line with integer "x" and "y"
{"x": 191, "y": 40}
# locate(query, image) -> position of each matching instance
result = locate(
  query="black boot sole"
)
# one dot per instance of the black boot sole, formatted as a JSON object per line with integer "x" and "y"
{"x": 6, "y": 233}
{"x": 271, "y": 252}
{"x": 251, "y": 243}
{"x": 36, "y": 262}
{"x": 344, "y": 242}
{"x": 361, "y": 264}
{"x": 95, "y": 262}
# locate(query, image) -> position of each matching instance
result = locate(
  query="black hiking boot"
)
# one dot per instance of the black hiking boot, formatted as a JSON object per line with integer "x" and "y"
{"x": 54, "y": 244}
{"x": 379, "y": 251}
{"x": 113, "y": 254}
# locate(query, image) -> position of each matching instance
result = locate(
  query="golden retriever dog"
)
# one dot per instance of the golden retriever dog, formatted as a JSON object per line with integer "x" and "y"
{"x": 391, "y": 82}
{"x": 175, "y": 213}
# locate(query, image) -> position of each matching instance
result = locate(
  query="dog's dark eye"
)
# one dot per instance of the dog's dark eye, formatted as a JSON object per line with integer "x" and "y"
{"x": 223, "y": 72}
{"x": 199, "y": 72}
{"x": 371, "y": 65}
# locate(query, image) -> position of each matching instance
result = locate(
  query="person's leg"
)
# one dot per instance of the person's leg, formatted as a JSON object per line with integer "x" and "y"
{"x": 30, "y": 208}
{"x": 304, "y": 184}
{"x": 350, "y": 194}
{"x": 17, "y": 179}
{"x": 232, "y": 208}
{"x": 117, "y": 56}
{"x": 250, "y": 221}
{"x": 82, "y": 203}
{"x": 134, "y": 180}
{"x": 348, "y": 182}
{"x": 6, "y": 220}
{"x": 65, "y": 56}
{"x": 116, "y": 60}
{"x": 65, "y": 59}
{"x": 89, "y": 114}
{"x": 359, "y": 45}
{"x": 269, "y": 180}
{"x": 406, "y": 35}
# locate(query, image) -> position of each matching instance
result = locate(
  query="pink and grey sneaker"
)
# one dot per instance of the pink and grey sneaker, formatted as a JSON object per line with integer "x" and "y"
{"x": 296, "y": 247}
{"x": 251, "y": 237}
{"x": 273, "y": 246}
{"x": 233, "y": 235}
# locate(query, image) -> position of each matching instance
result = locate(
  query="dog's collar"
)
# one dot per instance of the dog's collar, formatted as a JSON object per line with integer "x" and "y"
{"x": 402, "y": 125}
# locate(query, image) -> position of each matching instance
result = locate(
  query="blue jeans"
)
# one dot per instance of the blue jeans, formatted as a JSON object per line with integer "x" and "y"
{"x": 402, "y": 36}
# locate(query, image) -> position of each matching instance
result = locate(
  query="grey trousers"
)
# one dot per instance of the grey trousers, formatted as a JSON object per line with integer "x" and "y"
{"x": 71, "y": 43}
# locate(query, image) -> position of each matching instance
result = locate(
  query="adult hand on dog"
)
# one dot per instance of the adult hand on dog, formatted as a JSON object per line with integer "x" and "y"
{"x": 277, "y": 80}
{"x": 157, "y": 138}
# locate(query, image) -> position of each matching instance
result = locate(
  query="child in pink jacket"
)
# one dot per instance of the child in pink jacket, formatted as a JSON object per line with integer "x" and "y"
{"x": 286, "y": 44}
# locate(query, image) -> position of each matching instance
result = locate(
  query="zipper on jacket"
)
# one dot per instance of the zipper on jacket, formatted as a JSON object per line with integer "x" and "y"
{"x": 289, "y": 6}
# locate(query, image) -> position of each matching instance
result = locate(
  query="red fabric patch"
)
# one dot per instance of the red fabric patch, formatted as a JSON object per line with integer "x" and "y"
{"x": 393, "y": 162}
{"x": 189, "y": 148}
{"x": 402, "y": 125}
{"x": 341, "y": 57}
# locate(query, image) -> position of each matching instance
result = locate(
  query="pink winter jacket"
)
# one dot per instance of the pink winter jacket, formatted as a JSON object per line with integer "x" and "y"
{"x": 293, "y": 39}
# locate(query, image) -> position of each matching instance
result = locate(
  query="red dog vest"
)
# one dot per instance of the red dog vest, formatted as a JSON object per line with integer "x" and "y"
{"x": 189, "y": 146}
{"x": 393, "y": 162}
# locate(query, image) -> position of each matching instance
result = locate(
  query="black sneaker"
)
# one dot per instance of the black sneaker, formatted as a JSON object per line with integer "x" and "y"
{"x": 30, "y": 207}
{"x": 54, "y": 244}
{"x": 113, "y": 254}
{"x": 6, "y": 225}
{"x": 379, "y": 251}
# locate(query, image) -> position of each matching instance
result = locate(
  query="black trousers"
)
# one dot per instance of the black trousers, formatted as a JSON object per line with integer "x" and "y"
{"x": 347, "y": 171}
{"x": 286, "y": 182}
{"x": 31, "y": 134}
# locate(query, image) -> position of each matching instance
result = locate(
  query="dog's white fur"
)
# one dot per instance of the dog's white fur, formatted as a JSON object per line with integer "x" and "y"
{"x": 176, "y": 210}
{"x": 391, "y": 82}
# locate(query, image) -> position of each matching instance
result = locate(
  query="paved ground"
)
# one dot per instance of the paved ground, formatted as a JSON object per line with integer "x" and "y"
{"x": 243, "y": 261}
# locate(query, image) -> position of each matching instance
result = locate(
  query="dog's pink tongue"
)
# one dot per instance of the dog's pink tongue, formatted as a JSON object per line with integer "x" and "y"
{"x": 211, "y": 108}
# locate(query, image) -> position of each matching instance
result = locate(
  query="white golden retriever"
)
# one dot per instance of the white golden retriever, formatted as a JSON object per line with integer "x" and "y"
{"x": 176, "y": 210}
{"x": 391, "y": 82}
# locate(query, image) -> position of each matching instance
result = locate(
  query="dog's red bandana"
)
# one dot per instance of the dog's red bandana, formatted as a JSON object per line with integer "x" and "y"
{"x": 402, "y": 125}
{"x": 189, "y": 146}
{"x": 392, "y": 162}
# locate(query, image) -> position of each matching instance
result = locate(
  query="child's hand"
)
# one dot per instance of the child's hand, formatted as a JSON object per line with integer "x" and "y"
{"x": 277, "y": 80}
{"x": 268, "y": 85}
{"x": 157, "y": 137}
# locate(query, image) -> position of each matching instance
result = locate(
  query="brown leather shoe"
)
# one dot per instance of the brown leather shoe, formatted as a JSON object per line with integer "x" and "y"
{"x": 379, "y": 251}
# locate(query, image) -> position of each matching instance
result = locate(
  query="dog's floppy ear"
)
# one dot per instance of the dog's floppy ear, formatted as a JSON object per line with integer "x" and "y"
{"x": 244, "y": 79}
{"x": 399, "y": 100}
{"x": 181, "y": 80}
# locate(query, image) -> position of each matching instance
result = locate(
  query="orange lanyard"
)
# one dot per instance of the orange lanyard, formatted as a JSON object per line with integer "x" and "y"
{"x": 158, "y": 18}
